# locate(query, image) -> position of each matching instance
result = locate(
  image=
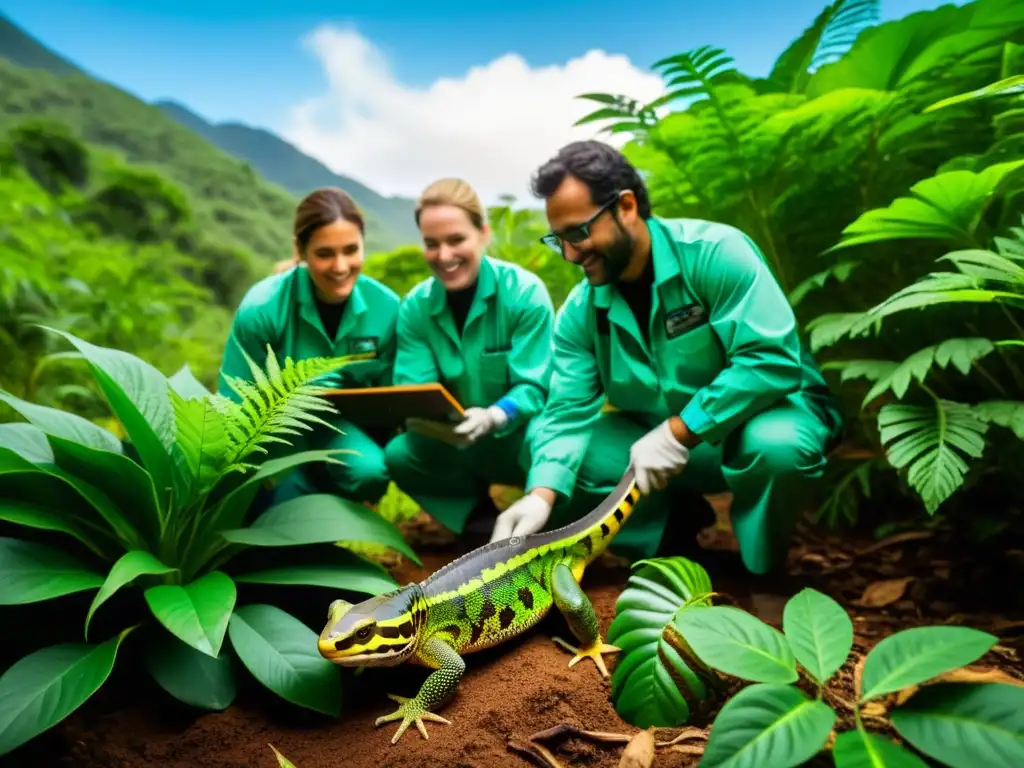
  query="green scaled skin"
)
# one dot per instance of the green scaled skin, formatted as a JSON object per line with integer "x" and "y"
{"x": 484, "y": 598}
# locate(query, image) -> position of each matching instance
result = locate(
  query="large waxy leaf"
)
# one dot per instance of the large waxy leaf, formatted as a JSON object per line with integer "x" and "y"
{"x": 914, "y": 656}
{"x": 819, "y": 632}
{"x": 195, "y": 678}
{"x": 966, "y": 725}
{"x": 31, "y": 572}
{"x": 768, "y": 724}
{"x": 44, "y": 687}
{"x": 860, "y": 749}
{"x": 737, "y": 643}
{"x": 69, "y": 426}
{"x": 200, "y": 447}
{"x": 28, "y": 441}
{"x": 318, "y": 518}
{"x": 925, "y": 441}
{"x": 129, "y": 567}
{"x": 644, "y": 691}
{"x": 358, "y": 576}
{"x": 49, "y": 519}
{"x": 281, "y": 652}
{"x": 187, "y": 385}
{"x": 138, "y": 394}
{"x": 198, "y": 612}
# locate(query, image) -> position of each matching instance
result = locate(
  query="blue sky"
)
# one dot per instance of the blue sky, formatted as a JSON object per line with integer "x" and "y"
{"x": 243, "y": 59}
{"x": 400, "y": 96}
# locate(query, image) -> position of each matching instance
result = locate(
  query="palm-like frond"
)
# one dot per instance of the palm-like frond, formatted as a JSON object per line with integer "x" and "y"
{"x": 849, "y": 19}
{"x": 279, "y": 401}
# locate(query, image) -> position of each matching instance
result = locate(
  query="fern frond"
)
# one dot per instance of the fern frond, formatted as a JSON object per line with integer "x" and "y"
{"x": 849, "y": 19}
{"x": 693, "y": 73}
{"x": 925, "y": 440}
{"x": 1008, "y": 414}
{"x": 829, "y": 329}
{"x": 279, "y": 401}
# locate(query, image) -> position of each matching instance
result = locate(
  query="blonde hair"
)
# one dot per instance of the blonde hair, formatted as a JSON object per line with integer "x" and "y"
{"x": 453, "y": 192}
{"x": 285, "y": 264}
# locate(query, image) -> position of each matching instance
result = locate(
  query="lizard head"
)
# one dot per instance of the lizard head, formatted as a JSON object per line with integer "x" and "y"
{"x": 378, "y": 632}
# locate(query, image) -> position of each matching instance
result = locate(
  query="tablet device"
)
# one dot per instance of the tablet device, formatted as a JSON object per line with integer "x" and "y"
{"x": 389, "y": 407}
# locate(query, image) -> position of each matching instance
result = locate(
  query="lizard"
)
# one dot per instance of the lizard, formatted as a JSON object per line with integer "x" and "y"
{"x": 485, "y": 597}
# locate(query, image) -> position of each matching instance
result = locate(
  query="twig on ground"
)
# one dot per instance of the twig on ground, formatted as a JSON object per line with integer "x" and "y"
{"x": 565, "y": 730}
{"x": 686, "y": 733}
{"x": 688, "y": 749}
{"x": 528, "y": 752}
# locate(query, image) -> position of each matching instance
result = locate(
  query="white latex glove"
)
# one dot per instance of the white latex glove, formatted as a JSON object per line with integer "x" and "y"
{"x": 526, "y": 516}
{"x": 478, "y": 422}
{"x": 656, "y": 457}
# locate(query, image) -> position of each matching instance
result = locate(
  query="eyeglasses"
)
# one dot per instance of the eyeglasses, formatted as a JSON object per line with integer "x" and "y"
{"x": 576, "y": 233}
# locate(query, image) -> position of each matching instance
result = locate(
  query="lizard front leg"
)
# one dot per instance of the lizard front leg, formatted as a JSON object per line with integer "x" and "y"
{"x": 438, "y": 686}
{"x": 579, "y": 614}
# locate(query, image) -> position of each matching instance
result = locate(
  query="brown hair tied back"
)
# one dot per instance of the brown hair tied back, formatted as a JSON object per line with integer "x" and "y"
{"x": 453, "y": 192}
{"x": 320, "y": 207}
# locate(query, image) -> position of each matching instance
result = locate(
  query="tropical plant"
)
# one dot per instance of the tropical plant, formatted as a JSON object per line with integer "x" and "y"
{"x": 680, "y": 654}
{"x": 774, "y": 722}
{"x": 169, "y": 514}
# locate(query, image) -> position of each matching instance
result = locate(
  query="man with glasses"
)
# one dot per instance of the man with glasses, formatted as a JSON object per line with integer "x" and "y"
{"x": 682, "y": 328}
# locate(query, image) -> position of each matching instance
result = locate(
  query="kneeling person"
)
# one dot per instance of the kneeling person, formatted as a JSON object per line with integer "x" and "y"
{"x": 683, "y": 328}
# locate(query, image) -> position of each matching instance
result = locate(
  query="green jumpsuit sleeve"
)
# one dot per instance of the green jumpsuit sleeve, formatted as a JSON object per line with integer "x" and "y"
{"x": 755, "y": 322}
{"x": 250, "y": 333}
{"x": 529, "y": 360}
{"x": 574, "y": 403}
{"x": 414, "y": 359}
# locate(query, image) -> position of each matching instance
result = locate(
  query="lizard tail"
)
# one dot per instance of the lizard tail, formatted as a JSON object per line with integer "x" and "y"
{"x": 605, "y": 522}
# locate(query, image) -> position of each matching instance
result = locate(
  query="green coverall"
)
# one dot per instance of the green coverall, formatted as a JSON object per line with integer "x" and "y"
{"x": 725, "y": 355}
{"x": 281, "y": 310}
{"x": 502, "y": 357}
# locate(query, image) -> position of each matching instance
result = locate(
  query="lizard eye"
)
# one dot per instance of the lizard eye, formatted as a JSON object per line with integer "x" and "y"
{"x": 364, "y": 633}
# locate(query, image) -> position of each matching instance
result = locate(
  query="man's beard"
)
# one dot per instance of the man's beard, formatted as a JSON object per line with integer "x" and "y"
{"x": 615, "y": 257}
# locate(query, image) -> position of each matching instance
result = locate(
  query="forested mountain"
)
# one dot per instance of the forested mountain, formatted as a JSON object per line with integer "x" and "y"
{"x": 244, "y": 182}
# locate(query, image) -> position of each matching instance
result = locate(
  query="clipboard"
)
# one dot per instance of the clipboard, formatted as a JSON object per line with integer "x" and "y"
{"x": 389, "y": 407}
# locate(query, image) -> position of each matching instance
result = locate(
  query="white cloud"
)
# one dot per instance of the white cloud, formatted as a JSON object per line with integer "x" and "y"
{"x": 493, "y": 126}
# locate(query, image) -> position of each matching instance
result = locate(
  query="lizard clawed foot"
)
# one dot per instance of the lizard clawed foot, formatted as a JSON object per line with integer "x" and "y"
{"x": 410, "y": 711}
{"x": 594, "y": 651}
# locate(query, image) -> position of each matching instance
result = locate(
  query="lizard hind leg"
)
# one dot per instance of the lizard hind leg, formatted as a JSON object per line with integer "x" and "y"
{"x": 579, "y": 614}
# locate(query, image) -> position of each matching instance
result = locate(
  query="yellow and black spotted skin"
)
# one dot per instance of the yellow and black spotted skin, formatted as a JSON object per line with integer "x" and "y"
{"x": 483, "y": 598}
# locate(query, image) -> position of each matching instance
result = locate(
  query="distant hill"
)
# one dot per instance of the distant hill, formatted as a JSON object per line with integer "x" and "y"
{"x": 237, "y": 202}
{"x": 283, "y": 164}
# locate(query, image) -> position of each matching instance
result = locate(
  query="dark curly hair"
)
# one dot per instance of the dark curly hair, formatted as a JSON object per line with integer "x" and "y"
{"x": 603, "y": 169}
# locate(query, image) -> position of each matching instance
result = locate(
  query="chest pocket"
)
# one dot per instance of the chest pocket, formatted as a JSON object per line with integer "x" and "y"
{"x": 695, "y": 357}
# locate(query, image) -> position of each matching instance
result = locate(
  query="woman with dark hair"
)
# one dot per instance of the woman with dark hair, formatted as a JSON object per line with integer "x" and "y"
{"x": 322, "y": 306}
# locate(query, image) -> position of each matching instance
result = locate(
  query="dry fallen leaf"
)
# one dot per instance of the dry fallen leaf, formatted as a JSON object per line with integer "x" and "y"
{"x": 882, "y": 593}
{"x": 896, "y": 538}
{"x": 639, "y": 752}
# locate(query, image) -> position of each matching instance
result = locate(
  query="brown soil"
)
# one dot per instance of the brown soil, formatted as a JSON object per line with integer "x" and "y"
{"x": 525, "y": 686}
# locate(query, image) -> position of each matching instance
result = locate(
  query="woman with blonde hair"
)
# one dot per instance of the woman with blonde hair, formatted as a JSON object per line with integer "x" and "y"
{"x": 483, "y": 328}
{"x": 321, "y": 305}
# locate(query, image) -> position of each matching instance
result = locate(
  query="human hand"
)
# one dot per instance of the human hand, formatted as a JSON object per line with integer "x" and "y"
{"x": 478, "y": 422}
{"x": 656, "y": 457}
{"x": 526, "y": 516}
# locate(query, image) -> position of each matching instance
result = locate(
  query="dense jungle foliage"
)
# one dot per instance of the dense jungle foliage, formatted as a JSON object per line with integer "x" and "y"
{"x": 885, "y": 181}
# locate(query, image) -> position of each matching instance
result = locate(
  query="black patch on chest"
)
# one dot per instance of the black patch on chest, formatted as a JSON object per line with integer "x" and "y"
{"x": 679, "y": 321}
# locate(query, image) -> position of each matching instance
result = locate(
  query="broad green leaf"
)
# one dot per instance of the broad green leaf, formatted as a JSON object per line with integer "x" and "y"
{"x": 200, "y": 446}
{"x": 317, "y": 518}
{"x": 198, "y": 612}
{"x": 34, "y": 516}
{"x": 925, "y": 441}
{"x": 195, "y": 678}
{"x": 819, "y": 632}
{"x": 966, "y": 725}
{"x": 281, "y": 652}
{"x": 644, "y": 691}
{"x": 31, "y": 572}
{"x": 914, "y": 656}
{"x": 130, "y": 566}
{"x": 69, "y": 426}
{"x": 737, "y": 643}
{"x": 1008, "y": 86}
{"x": 944, "y": 207}
{"x": 768, "y": 724}
{"x": 133, "y": 509}
{"x": 27, "y": 441}
{"x": 1005, "y": 413}
{"x": 860, "y": 749}
{"x": 138, "y": 394}
{"x": 187, "y": 385}
{"x": 356, "y": 576}
{"x": 43, "y": 688}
